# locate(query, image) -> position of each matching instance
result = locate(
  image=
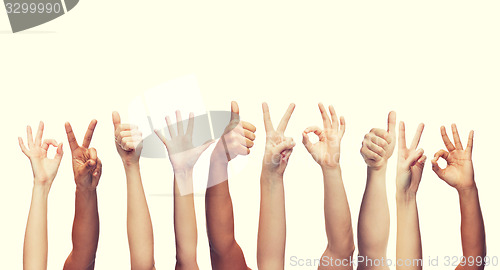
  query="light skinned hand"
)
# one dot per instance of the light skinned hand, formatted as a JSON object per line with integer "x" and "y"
{"x": 459, "y": 172}
{"x": 326, "y": 152}
{"x": 411, "y": 162}
{"x": 237, "y": 139}
{"x": 278, "y": 147}
{"x": 87, "y": 167}
{"x": 128, "y": 141}
{"x": 44, "y": 168}
{"x": 183, "y": 155}
{"x": 378, "y": 145}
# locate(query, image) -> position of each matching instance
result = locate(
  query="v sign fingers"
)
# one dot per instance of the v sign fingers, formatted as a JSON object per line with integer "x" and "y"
{"x": 84, "y": 159}
{"x": 275, "y": 158}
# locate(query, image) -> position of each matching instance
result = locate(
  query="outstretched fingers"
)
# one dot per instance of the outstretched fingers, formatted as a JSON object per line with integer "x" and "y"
{"x": 446, "y": 140}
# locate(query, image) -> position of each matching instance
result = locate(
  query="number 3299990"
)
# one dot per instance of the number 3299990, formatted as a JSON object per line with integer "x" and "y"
{"x": 32, "y": 8}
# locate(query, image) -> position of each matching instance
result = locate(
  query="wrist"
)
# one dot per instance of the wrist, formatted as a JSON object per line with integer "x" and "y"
{"x": 218, "y": 160}
{"x": 131, "y": 166}
{"x": 41, "y": 189}
{"x": 270, "y": 177}
{"x": 467, "y": 191}
{"x": 84, "y": 189}
{"x": 130, "y": 163}
{"x": 405, "y": 197}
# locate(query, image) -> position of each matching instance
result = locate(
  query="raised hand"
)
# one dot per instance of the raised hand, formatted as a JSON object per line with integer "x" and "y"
{"x": 237, "y": 138}
{"x": 459, "y": 172}
{"x": 410, "y": 162}
{"x": 44, "y": 171}
{"x": 326, "y": 152}
{"x": 183, "y": 155}
{"x": 87, "y": 167}
{"x": 278, "y": 147}
{"x": 44, "y": 168}
{"x": 128, "y": 141}
{"x": 378, "y": 145}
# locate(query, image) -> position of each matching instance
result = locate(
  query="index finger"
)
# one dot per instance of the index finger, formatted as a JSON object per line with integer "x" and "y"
{"x": 89, "y": 133}
{"x": 268, "y": 124}
{"x": 73, "y": 144}
{"x": 402, "y": 136}
{"x": 446, "y": 139}
{"x": 286, "y": 118}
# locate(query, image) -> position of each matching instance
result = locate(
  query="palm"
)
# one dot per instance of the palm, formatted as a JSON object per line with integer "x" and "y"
{"x": 327, "y": 150}
{"x": 459, "y": 172}
{"x": 278, "y": 159}
{"x": 181, "y": 151}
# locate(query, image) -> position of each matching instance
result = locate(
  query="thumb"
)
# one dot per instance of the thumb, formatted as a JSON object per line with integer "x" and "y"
{"x": 391, "y": 123}
{"x": 116, "y": 119}
{"x": 435, "y": 167}
{"x": 88, "y": 166}
{"x": 287, "y": 144}
{"x": 307, "y": 143}
{"x": 235, "y": 111}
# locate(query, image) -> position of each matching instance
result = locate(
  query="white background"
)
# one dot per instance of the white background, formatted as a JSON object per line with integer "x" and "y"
{"x": 435, "y": 62}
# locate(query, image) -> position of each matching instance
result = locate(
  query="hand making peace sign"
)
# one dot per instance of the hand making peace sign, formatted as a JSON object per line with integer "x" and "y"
{"x": 87, "y": 168}
{"x": 278, "y": 147}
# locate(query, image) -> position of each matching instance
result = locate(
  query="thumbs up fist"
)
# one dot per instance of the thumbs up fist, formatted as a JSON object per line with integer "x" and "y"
{"x": 378, "y": 145}
{"x": 237, "y": 138}
{"x": 128, "y": 140}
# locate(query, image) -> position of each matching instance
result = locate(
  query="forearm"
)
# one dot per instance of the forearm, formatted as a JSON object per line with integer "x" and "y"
{"x": 35, "y": 239}
{"x": 272, "y": 223}
{"x": 219, "y": 210}
{"x": 374, "y": 220}
{"x": 338, "y": 222}
{"x": 472, "y": 229}
{"x": 409, "y": 244}
{"x": 139, "y": 226}
{"x": 85, "y": 230}
{"x": 185, "y": 222}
